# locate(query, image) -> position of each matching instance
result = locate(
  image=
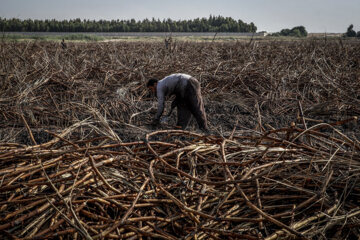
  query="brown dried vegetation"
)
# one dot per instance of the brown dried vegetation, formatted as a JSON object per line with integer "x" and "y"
{"x": 78, "y": 160}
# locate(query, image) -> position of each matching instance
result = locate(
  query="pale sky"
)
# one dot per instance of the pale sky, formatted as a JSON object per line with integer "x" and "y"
{"x": 268, "y": 15}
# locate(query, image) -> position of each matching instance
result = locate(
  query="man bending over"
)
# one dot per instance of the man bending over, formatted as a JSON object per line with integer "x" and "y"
{"x": 188, "y": 98}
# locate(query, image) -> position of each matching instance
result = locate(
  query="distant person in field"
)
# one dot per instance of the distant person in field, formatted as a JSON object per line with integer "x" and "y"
{"x": 63, "y": 44}
{"x": 188, "y": 99}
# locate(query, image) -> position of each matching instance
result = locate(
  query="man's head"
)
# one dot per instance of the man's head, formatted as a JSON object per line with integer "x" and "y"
{"x": 152, "y": 84}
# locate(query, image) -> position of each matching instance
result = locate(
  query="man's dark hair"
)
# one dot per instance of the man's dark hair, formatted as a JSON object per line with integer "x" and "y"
{"x": 152, "y": 82}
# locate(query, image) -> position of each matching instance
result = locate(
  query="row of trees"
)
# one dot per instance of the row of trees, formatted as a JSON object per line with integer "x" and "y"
{"x": 298, "y": 31}
{"x": 351, "y": 32}
{"x": 211, "y": 24}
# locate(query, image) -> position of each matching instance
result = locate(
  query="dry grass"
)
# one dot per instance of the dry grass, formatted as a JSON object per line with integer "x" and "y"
{"x": 51, "y": 87}
{"x": 78, "y": 160}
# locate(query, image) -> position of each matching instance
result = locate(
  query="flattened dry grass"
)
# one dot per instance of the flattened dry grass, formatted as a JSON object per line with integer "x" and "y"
{"x": 78, "y": 159}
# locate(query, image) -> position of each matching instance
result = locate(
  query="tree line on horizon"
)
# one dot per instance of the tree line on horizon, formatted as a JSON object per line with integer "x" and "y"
{"x": 351, "y": 32}
{"x": 211, "y": 24}
{"x": 298, "y": 31}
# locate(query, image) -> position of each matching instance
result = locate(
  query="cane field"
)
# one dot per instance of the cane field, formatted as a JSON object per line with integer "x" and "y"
{"x": 79, "y": 158}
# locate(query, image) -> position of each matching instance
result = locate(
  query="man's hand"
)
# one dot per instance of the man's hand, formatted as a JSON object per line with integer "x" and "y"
{"x": 164, "y": 119}
{"x": 155, "y": 122}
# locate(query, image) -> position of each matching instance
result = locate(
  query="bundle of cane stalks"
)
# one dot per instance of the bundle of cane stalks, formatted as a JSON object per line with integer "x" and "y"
{"x": 284, "y": 183}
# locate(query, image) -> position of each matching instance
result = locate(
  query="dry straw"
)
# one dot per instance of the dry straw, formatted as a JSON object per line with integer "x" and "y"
{"x": 183, "y": 184}
{"x": 77, "y": 159}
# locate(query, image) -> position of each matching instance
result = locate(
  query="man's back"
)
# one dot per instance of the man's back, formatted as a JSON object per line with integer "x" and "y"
{"x": 173, "y": 84}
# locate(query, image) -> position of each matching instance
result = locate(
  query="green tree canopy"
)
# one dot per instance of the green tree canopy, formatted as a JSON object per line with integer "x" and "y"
{"x": 211, "y": 24}
{"x": 350, "y": 31}
{"x": 298, "y": 31}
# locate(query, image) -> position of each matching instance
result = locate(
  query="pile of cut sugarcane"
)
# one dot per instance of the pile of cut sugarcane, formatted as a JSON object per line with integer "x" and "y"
{"x": 176, "y": 184}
